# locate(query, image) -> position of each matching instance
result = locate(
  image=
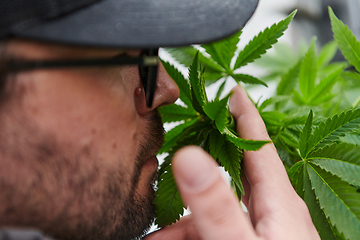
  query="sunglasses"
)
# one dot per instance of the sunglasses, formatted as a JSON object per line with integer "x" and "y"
{"x": 148, "y": 63}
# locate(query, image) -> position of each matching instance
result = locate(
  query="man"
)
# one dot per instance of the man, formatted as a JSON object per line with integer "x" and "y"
{"x": 80, "y": 129}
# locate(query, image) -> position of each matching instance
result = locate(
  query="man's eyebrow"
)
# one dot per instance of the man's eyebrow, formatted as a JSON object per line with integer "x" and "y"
{"x": 13, "y": 59}
{"x": 122, "y": 53}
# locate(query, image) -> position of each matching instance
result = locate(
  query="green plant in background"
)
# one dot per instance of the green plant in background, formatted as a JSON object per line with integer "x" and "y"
{"x": 208, "y": 123}
{"x": 320, "y": 149}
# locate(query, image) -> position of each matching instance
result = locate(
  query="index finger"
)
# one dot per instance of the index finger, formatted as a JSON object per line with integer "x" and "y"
{"x": 263, "y": 168}
{"x": 215, "y": 209}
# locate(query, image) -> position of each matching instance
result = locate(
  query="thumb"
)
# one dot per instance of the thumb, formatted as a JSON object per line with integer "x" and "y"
{"x": 215, "y": 209}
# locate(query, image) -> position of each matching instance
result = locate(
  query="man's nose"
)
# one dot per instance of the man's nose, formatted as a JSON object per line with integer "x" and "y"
{"x": 166, "y": 92}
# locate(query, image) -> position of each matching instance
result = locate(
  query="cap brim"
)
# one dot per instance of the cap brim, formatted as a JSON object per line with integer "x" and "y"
{"x": 145, "y": 23}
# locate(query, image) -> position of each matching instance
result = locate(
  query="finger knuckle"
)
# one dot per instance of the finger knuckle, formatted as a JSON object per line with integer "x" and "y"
{"x": 222, "y": 214}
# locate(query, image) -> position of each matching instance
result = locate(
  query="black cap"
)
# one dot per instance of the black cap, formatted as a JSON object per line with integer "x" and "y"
{"x": 124, "y": 23}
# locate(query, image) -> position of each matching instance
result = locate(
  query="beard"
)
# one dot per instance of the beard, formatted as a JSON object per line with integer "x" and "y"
{"x": 67, "y": 193}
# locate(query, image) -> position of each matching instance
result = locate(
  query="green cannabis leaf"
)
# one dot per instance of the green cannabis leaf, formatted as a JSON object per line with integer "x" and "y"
{"x": 263, "y": 41}
{"x": 327, "y": 174}
{"x": 205, "y": 123}
{"x": 222, "y": 55}
{"x": 348, "y": 44}
{"x": 315, "y": 87}
{"x": 331, "y": 130}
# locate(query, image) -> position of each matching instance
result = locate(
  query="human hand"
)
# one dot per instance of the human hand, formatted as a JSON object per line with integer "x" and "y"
{"x": 275, "y": 211}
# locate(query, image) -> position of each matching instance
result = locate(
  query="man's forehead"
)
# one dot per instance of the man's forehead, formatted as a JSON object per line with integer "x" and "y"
{"x": 18, "y": 47}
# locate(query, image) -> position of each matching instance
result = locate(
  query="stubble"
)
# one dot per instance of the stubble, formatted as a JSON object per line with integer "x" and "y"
{"x": 65, "y": 192}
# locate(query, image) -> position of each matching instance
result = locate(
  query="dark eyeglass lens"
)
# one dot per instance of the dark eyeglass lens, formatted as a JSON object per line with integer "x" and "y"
{"x": 148, "y": 76}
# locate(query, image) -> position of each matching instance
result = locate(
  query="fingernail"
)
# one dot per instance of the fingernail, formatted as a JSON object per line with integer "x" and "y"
{"x": 194, "y": 169}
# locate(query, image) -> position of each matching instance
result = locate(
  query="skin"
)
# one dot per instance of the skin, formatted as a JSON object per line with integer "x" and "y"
{"x": 275, "y": 211}
{"x": 78, "y": 146}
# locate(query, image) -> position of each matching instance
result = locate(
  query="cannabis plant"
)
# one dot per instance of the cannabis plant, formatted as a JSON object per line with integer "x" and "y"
{"x": 312, "y": 119}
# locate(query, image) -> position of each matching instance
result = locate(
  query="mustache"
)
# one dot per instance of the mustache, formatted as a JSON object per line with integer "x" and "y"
{"x": 153, "y": 140}
{"x": 154, "y": 136}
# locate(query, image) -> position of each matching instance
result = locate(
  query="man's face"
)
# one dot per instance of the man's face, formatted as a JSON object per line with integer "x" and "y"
{"x": 78, "y": 146}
